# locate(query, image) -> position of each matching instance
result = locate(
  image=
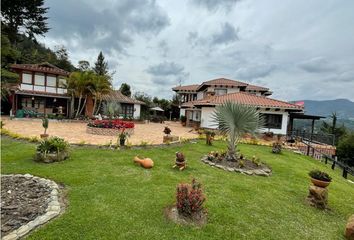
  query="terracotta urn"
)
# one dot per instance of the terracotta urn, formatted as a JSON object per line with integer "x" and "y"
{"x": 320, "y": 183}
{"x": 144, "y": 162}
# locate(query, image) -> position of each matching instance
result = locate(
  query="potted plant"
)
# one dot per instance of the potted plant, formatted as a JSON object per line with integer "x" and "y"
{"x": 209, "y": 136}
{"x": 320, "y": 179}
{"x": 45, "y": 123}
{"x": 183, "y": 120}
{"x": 123, "y": 135}
{"x": 167, "y": 137}
{"x": 52, "y": 149}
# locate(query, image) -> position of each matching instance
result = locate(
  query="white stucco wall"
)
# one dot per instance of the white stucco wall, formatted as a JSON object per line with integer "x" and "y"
{"x": 232, "y": 90}
{"x": 137, "y": 108}
{"x": 182, "y": 112}
{"x": 207, "y": 121}
{"x": 206, "y": 118}
{"x": 200, "y": 95}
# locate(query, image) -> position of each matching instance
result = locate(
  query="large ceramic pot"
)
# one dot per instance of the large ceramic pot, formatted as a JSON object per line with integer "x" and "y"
{"x": 319, "y": 183}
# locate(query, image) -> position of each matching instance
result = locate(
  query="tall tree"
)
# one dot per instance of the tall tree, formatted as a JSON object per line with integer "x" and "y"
{"x": 83, "y": 65}
{"x": 125, "y": 89}
{"x": 63, "y": 61}
{"x": 24, "y": 14}
{"x": 101, "y": 66}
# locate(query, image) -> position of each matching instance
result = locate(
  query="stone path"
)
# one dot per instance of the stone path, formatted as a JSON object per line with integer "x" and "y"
{"x": 75, "y": 132}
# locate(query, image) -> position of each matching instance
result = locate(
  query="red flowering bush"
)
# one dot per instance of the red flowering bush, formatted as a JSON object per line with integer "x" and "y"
{"x": 116, "y": 124}
{"x": 190, "y": 198}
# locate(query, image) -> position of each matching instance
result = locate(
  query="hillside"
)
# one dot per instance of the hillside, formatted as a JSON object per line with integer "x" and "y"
{"x": 343, "y": 107}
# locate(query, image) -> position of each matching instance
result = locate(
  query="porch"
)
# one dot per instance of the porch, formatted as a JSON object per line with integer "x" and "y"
{"x": 34, "y": 105}
{"x": 193, "y": 117}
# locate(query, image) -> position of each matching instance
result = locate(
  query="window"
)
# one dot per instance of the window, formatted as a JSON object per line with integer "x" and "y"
{"x": 39, "y": 80}
{"x": 220, "y": 91}
{"x": 272, "y": 120}
{"x": 62, "y": 82}
{"x": 127, "y": 110}
{"x": 27, "y": 78}
{"x": 51, "y": 81}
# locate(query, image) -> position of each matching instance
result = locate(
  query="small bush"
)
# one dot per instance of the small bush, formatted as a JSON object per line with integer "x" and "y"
{"x": 53, "y": 145}
{"x": 190, "y": 199}
{"x": 322, "y": 176}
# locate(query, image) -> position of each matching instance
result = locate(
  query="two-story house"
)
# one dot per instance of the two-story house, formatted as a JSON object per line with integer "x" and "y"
{"x": 41, "y": 89}
{"x": 198, "y": 103}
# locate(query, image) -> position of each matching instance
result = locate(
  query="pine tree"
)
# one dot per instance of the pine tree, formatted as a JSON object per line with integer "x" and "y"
{"x": 101, "y": 66}
{"x": 28, "y": 15}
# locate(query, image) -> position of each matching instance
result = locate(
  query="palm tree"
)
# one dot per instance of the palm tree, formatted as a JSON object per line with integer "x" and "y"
{"x": 99, "y": 86}
{"x": 235, "y": 120}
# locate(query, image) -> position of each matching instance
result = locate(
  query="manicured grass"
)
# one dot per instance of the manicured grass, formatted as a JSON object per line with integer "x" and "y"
{"x": 111, "y": 198}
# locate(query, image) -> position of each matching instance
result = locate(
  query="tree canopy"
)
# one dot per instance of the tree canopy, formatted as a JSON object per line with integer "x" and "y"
{"x": 101, "y": 66}
{"x": 125, "y": 89}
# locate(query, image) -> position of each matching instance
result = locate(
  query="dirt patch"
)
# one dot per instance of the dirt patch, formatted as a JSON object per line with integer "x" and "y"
{"x": 198, "y": 219}
{"x": 22, "y": 200}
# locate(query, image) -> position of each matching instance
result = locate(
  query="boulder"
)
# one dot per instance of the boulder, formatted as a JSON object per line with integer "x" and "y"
{"x": 349, "y": 229}
{"x": 318, "y": 197}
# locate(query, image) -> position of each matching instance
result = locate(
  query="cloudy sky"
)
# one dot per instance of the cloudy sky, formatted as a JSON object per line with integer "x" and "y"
{"x": 299, "y": 49}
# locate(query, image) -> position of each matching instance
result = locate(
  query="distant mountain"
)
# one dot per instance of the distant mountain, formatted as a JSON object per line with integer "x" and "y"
{"x": 343, "y": 107}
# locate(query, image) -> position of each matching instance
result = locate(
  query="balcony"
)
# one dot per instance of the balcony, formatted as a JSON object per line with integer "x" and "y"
{"x": 45, "y": 89}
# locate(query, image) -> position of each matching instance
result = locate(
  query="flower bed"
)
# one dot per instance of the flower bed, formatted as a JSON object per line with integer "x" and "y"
{"x": 109, "y": 127}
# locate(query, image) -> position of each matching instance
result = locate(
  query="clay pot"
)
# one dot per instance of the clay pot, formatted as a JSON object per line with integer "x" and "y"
{"x": 44, "y": 136}
{"x": 319, "y": 183}
{"x": 145, "y": 162}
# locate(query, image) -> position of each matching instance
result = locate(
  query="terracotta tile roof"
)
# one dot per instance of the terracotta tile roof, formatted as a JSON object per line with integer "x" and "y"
{"x": 245, "y": 98}
{"x": 223, "y": 82}
{"x": 42, "y": 94}
{"x": 116, "y": 95}
{"x": 256, "y": 88}
{"x": 191, "y": 88}
{"x": 41, "y": 67}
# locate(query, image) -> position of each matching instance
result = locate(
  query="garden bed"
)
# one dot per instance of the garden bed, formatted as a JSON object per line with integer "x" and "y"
{"x": 26, "y": 203}
{"x": 248, "y": 167}
{"x": 110, "y": 127}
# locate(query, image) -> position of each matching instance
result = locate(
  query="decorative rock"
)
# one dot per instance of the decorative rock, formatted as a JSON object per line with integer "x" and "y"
{"x": 318, "y": 197}
{"x": 23, "y": 230}
{"x": 230, "y": 169}
{"x": 349, "y": 229}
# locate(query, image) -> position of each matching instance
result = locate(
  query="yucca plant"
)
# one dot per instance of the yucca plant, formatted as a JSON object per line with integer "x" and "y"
{"x": 234, "y": 120}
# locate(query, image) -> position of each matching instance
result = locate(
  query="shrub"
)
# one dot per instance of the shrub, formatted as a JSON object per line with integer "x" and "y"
{"x": 116, "y": 124}
{"x": 345, "y": 149}
{"x": 322, "y": 176}
{"x": 53, "y": 145}
{"x": 190, "y": 199}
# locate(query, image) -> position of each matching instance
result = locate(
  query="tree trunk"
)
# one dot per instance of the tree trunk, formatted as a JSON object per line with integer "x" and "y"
{"x": 83, "y": 105}
{"x": 94, "y": 105}
{"x": 72, "y": 106}
{"x": 99, "y": 106}
{"x": 79, "y": 105}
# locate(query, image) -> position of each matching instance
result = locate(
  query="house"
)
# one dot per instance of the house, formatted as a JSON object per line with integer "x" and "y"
{"x": 41, "y": 89}
{"x": 130, "y": 108}
{"x": 198, "y": 103}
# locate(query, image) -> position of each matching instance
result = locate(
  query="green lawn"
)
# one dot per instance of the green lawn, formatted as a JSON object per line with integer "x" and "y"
{"x": 111, "y": 198}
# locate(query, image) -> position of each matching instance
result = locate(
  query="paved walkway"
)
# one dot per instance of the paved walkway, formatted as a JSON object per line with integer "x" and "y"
{"x": 75, "y": 132}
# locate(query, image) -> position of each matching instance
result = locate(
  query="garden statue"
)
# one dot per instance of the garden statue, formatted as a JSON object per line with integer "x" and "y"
{"x": 180, "y": 161}
{"x": 144, "y": 162}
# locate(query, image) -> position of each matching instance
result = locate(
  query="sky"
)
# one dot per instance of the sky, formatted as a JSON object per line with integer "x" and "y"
{"x": 299, "y": 49}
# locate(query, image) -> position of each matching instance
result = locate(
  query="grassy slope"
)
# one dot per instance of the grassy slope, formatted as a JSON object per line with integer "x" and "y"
{"x": 110, "y": 198}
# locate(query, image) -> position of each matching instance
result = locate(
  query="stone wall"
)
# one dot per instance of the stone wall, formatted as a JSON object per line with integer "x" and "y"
{"x": 106, "y": 131}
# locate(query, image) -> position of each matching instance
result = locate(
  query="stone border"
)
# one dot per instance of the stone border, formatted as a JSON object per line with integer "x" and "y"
{"x": 266, "y": 172}
{"x": 106, "y": 131}
{"x": 52, "y": 210}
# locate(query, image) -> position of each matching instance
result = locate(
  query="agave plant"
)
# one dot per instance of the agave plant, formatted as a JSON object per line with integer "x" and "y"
{"x": 234, "y": 120}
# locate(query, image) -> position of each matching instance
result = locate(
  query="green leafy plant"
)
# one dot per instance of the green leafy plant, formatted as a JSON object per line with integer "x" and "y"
{"x": 235, "y": 120}
{"x": 190, "y": 198}
{"x": 322, "y": 176}
{"x": 53, "y": 145}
